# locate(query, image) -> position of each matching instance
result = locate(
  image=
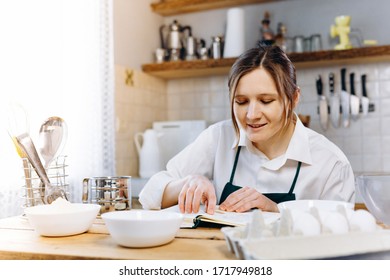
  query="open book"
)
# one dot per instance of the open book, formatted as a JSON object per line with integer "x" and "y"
{"x": 220, "y": 218}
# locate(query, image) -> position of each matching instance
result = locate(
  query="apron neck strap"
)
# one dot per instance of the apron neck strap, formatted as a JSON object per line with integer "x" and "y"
{"x": 235, "y": 164}
{"x": 295, "y": 178}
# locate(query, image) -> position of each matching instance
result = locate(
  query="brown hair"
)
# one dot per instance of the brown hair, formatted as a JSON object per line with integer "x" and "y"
{"x": 278, "y": 65}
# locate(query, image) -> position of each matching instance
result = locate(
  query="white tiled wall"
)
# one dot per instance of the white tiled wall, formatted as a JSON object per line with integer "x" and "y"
{"x": 366, "y": 142}
{"x": 138, "y": 103}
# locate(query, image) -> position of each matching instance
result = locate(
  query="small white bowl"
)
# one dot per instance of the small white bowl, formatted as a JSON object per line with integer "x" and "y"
{"x": 142, "y": 228}
{"x": 321, "y": 205}
{"x": 51, "y": 220}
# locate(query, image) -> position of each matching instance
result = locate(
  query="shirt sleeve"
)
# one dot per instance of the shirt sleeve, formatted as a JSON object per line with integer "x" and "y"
{"x": 341, "y": 183}
{"x": 197, "y": 158}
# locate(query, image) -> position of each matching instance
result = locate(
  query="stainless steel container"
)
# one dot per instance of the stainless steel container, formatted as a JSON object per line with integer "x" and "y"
{"x": 217, "y": 47}
{"x": 299, "y": 43}
{"x": 111, "y": 193}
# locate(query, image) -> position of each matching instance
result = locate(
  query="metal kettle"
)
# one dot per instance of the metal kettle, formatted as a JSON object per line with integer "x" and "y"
{"x": 172, "y": 41}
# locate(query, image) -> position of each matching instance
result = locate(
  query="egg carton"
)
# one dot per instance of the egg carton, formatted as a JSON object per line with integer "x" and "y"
{"x": 296, "y": 225}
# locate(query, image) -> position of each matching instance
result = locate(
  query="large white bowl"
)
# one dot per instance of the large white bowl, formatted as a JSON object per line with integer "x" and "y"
{"x": 321, "y": 205}
{"x": 142, "y": 228}
{"x": 72, "y": 219}
{"x": 375, "y": 192}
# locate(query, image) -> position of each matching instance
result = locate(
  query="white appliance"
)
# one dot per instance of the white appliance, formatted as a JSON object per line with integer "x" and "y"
{"x": 176, "y": 135}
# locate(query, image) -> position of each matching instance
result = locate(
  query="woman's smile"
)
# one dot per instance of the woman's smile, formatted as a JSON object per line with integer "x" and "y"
{"x": 255, "y": 126}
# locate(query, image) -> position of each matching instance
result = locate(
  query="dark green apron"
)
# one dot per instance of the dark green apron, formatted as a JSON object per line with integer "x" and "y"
{"x": 275, "y": 197}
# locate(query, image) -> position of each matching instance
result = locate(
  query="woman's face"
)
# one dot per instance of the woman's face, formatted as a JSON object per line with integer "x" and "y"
{"x": 258, "y": 107}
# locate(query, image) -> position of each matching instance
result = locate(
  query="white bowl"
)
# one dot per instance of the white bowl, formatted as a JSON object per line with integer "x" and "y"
{"x": 51, "y": 220}
{"x": 142, "y": 228}
{"x": 321, "y": 205}
{"x": 375, "y": 192}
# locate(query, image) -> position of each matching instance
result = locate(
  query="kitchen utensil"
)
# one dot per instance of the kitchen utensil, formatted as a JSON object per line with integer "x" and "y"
{"x": 111, "y": 193}
{"x": 355, "y": 101}
{"x": 315, "y": 42}
{"x": 17, "y": 124}
{"x": 49, "y": 193}
{"x": 160, "y": 55}
{"x": 149, "y": 152}
{"x": 299, "y": 43}
{"x": 307, "y": 44}
{"x": 365, "y": 101}
{"x": 334, "y": 103}
{"x": 27, "y": 174}
{"x": 322, "y": 104}
{"x": 216, "y": 47}
{"x": 191, "y": 48}
{"x": 345, "y": 99}
{"x": 142, "y": 228}
{"x": 62, "y": 218}
{"x": 173, "y": 39}
{"x": 52, "y": 137}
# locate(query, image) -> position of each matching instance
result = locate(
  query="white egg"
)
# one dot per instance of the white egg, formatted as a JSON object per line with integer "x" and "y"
{"x": 363, "y": 221}
{"x": 306, "y": 224}
{"x": 336, "y": 223}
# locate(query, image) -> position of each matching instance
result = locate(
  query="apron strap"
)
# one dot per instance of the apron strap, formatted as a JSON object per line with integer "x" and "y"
{"x": 295, "y": 178}
{"x": 235, "y": 165}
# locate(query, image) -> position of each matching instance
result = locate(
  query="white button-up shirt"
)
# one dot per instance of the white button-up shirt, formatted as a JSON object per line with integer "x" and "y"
{"x": 325, "y": 172}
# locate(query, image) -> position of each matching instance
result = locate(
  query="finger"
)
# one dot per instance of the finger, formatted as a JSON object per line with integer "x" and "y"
{"x": 182, "y": 198}
{"x": 211, "y": 203}
{"x": 241, "y": 200}
{"x": 198, "y": 194}
{"x": 189, "y": 199}
{"x": 232, "y": 199}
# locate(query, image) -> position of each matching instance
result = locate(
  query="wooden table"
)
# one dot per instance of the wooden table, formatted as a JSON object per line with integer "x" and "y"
{"x": 18, "y": 241}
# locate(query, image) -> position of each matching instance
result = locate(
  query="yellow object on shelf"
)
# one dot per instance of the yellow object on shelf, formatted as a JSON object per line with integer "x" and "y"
{"x": 370, "y": 42}
{"x": 342, "y": 29}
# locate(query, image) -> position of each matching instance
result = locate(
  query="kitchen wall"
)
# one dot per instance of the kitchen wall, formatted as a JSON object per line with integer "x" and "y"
{"x": 366, "y": 142}
{"x": 140, "y": 100}
{"x": 136, "y": 36}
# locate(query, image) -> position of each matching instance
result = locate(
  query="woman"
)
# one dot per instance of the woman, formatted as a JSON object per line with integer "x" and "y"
{"x": 262, "y": 156}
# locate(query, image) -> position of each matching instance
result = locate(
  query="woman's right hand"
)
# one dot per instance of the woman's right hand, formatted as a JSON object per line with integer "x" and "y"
{"x": 197, "y": 189}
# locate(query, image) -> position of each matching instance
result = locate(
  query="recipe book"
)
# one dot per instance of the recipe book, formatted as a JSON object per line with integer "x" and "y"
{"x": 220, "y": 218}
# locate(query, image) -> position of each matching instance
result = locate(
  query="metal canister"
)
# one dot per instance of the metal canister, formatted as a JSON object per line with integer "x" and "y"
{"x": 111, "y": 193}
{"x": 299, "y": 43}
{"x": 216, "y": 47}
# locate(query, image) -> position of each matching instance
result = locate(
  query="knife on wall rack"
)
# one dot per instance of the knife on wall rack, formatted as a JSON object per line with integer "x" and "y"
{"x": 365, "y": 101}
{"x": 334, "y": 103}
{"x": 355, "y": 101}
{"x": 345, "y": 99}
{"x": 322, "y": 104}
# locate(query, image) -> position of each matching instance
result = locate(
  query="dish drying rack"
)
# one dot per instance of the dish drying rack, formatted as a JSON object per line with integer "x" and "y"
{"x": 32, "y": 184}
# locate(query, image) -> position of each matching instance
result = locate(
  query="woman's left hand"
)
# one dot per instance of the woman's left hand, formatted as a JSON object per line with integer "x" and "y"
{"x": 246, "y": 199}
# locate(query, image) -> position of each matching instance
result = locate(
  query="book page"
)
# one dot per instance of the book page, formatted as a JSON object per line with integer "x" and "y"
{"x": 223, "y": 217}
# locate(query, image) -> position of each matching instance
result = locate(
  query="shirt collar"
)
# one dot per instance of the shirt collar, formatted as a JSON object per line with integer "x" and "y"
{"x": 297, "y": 150}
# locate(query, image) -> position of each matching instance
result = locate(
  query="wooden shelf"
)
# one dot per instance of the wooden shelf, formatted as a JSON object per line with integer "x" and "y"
{"x": 174, "y": 7}
{"x": 197, "y": 68}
